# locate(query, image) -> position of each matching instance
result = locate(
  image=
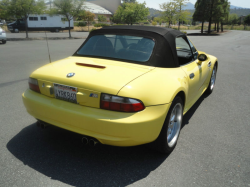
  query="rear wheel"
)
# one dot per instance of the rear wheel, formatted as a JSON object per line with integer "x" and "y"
{"x": 4, "y": 42}
{"x": 170, "y": 132}
{"x": 211, "y": 85}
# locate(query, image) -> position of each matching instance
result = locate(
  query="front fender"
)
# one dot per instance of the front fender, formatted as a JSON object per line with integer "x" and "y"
{"x": 159, "y": 86}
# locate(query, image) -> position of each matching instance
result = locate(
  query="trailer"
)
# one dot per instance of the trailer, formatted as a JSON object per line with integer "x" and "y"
{"x": 42, "y": 22}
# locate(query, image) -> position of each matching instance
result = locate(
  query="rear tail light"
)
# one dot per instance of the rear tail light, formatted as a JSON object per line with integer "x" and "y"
{"x": 33, "y": 84}
{"x": 122, "y": 104}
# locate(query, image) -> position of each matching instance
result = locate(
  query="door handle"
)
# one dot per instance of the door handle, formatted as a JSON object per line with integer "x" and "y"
{"x": 191, "y": 75}
{"x": 209, "y": 64}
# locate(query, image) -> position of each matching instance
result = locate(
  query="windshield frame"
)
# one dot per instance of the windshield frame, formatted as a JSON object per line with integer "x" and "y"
{"x": 144, "y": 63}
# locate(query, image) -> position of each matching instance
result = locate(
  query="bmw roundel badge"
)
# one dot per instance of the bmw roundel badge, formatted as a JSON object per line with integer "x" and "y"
{"x": 70, "y": 75}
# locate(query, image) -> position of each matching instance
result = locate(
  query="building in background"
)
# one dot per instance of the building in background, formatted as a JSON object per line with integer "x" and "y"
{"x": 98, "y": 7}
{"x": 110, "y": 5}
{"x": 97, "y": 10}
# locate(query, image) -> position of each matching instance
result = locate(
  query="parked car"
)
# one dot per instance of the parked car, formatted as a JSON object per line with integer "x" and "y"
{"x": 3, "y": 36}
{"x": 125, "y": 86}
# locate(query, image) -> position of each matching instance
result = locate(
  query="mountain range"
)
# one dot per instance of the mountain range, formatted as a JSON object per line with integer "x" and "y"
{"x": 190, "y": 6}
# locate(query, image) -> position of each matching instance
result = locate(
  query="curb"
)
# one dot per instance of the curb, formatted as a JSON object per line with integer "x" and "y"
{"x": 50, "y": 38}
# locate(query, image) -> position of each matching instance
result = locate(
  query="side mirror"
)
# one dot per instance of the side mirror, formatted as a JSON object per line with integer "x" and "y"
{"x": 202, "y": 57}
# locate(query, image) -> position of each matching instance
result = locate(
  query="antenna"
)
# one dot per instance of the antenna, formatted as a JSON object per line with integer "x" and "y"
{"x": 47, "y": 43}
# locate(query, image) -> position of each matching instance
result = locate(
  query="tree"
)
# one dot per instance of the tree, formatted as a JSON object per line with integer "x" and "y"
{"x": 87, "y": 16}
{"x": 154, "y": 23}
{"x": 247, "y": 20}
{"x": 201, "y": 12}
{"x": 129, "y": 1}
{"x": 23, "y": 8}
{"x": 3, "y": 9}
{"x": 233, "y": 19}
{"x": 169, "y": 11}
{"x": 220, "y": 13}
{"x": 226, "y": 10}
{"x": 158, "y": 20}
{"x": 181, "y": 15}
{"x": 102, "y": 18}
{"x": 131, "y": 13}
{"x": 215, "y": 10}
{"x": 68, "y": 8}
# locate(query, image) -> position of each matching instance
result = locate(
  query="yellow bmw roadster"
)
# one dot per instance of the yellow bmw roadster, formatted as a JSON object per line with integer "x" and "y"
{"x": 125, "y": 86}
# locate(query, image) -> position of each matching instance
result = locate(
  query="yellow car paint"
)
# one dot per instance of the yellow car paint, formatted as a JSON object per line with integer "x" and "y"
{"x": 157, "y": 87}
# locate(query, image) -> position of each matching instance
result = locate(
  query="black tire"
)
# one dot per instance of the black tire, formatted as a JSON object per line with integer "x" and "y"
{"x": 211, "y": 85}
{"x": 4, "y": 42}
{"x": 161, "y": 144}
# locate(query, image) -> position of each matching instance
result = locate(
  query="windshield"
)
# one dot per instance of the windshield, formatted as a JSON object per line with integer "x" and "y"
{"x": 132, "y": 48}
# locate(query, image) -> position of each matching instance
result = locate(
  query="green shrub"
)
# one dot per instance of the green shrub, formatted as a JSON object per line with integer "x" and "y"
{"x": 80, "y": 24}
{"x": 102, "y": 18}
{"x": 154, "y": 23}
{"x": 101, "y": 25}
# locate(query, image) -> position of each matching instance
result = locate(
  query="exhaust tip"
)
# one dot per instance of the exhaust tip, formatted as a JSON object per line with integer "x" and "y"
{"x": 93, "y": 142}
{"x": 44, "y": 126}
{"x": 85, "y": 141}
{"x": 38, "y": 124}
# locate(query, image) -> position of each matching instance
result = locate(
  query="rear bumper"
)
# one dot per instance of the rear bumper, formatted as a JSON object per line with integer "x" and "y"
{"x": 2, "y": 38}
{"x": 108, "y": 127}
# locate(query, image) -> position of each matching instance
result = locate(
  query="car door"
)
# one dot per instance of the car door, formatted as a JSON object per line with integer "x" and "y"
{"x": 189, "y": 65}
{"x": 204, "y": 69}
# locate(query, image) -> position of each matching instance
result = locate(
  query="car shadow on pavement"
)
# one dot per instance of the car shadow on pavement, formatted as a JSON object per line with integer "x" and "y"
{"x": 60, "y": 155}
{"x": 192, "y": 110}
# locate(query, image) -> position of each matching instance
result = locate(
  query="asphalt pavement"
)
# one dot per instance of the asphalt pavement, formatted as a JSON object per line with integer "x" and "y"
{"x": 213, "y": 148}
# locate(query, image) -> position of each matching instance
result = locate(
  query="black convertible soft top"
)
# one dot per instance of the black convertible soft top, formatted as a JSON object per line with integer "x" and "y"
{"x": 164, "y": 53}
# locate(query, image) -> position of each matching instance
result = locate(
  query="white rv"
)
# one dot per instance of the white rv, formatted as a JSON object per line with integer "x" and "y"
{"x": 41, "y": 23}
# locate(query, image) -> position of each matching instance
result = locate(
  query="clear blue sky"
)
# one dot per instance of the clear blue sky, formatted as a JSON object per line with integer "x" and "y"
{"x": 155, "y": 3}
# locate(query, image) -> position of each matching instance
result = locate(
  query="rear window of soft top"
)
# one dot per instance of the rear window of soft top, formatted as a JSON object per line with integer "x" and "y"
{"x": 123, "y": 47}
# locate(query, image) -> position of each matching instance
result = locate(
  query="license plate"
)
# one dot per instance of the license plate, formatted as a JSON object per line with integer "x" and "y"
{"x": 66, "y": 93}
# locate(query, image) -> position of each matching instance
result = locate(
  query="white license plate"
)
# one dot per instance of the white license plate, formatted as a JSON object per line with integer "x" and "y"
{"x": 66, "y": 93}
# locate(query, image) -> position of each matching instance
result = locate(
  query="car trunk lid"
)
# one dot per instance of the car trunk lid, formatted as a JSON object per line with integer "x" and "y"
{"x": 92, "y": 76}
